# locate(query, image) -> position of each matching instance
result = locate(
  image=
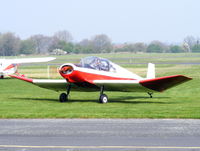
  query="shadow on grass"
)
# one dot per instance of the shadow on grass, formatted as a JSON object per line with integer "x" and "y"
{"x": 125, "y": 100}
{"x": 35, "y": 99}
{"x": 143, "y": 100}
{"x": 6, "y": 78}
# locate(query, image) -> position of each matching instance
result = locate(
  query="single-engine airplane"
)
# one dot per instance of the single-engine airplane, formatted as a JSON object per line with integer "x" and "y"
{"x": 9, "y": 66}
{"x": 99, "y": 74}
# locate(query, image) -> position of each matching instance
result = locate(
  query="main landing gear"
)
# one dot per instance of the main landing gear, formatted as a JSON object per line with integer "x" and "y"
{"x": 63, "y": 96}
{"x": 1, "y": 77}
{"x": 103, "y": 97}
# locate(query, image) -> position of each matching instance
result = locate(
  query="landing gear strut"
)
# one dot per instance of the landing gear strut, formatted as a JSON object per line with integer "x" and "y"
{"x": 103, "y": 97}
{"x": 63, "y": 96}
{"x": 150, "y": 94}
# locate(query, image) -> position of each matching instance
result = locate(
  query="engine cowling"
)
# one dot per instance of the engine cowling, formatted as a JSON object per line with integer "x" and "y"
{"x": 66, "y": 70}
{"x": 71, "y": 73}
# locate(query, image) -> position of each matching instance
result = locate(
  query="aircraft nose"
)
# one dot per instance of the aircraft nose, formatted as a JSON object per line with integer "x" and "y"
{"x": 66, "y": 70}
{"x": 71, "y": 73}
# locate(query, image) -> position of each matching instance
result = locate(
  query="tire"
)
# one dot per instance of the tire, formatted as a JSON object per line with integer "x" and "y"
{"x": 1, "y": 77}
{"x": 63, "y": 97}
{"x": 103, "y": 98}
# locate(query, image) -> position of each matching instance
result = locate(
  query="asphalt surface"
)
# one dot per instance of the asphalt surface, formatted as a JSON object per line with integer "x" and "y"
{"x": 99, "y": 134}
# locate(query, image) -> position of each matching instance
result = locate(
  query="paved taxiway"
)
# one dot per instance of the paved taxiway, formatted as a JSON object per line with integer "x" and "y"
{"x": 99, "y": 134}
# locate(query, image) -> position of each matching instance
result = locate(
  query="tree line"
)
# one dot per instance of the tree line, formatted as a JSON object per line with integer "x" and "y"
{"x": 10, "y": 44}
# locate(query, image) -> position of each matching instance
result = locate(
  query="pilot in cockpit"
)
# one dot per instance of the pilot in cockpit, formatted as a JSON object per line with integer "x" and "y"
{"x": 104, "y": 65}
{"x": 97, "y": 64}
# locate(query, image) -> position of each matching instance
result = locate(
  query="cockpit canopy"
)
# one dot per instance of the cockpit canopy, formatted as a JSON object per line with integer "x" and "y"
{"x": 101, "y": 64}
{"x": 97, "y": 64}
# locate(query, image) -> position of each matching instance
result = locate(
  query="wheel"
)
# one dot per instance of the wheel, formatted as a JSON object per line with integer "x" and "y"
{"x": 63, "y": 97}
{"x": 103, "y": 98}
{"x": 1, "y": 77}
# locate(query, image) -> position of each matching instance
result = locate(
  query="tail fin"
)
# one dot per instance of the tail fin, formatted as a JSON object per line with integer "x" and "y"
{"x": 151, "y": 71}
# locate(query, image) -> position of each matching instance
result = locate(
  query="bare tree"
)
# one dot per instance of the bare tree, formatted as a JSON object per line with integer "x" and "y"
{"x": 9, "y": 44}
{"x": 186, "y": 47}
{"x": 190, "y": 40}
{"x": 101, "y": 43}
{"x": 140, "y": 47}
{"x": 27, "y": 46}
{"x": 42, "y": 43}
{"x": 85, "y": 43}
{"x": 64, "y": 35}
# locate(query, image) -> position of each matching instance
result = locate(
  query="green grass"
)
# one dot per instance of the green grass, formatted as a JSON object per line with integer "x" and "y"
{"x": 132, "y": 57}
{"x": 137, "y": 58}
{"x": 23, "y": 100}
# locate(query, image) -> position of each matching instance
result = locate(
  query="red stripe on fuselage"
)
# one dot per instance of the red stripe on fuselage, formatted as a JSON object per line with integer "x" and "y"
{"x": 80, "y": 76}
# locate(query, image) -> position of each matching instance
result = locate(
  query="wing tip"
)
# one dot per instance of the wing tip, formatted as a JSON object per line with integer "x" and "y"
{"x": 50, "y": 58}
{"x": 184, "y": 77}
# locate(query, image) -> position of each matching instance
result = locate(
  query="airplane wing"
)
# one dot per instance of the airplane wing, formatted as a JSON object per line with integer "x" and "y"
{"x": 164, "y": 83}
{"x": 147, "y": 85}
{"x": 31, "y": 60}
{"x": 52, "y": 84}
{"x": 120, "y": 85}
{"x": 155, "y": 84}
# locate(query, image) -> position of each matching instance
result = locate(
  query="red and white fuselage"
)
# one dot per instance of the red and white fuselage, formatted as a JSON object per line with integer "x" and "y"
{"x": 80, "y": 74}
{"x": 114, "y": 77}
{"x": 99, "y": 74}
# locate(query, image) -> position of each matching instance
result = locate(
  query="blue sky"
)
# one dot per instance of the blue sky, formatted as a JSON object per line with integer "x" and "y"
{"x": 122, "y": 20}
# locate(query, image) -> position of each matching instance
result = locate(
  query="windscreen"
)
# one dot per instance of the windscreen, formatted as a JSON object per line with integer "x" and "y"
{"x": 97, "y": 64}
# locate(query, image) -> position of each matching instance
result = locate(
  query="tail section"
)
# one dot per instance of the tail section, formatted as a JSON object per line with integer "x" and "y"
{"x": 151, "y": 71}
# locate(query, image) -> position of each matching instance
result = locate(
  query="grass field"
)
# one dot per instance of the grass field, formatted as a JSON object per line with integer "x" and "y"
{"x": 23, "y": 100}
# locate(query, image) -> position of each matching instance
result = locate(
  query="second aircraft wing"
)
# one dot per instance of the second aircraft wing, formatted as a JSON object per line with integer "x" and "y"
{"x": 31, "y": 60}
{"x": 52, "y": 84}
{"x": 156, "y": 84}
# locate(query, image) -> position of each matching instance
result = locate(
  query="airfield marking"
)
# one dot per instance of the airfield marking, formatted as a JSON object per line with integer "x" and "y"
{"x": 100, "y": 147}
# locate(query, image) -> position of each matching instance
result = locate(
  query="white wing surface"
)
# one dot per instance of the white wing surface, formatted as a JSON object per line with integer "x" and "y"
{"x": 121, "y": 85}
{"x": 52, "y": 84}
{"x": 31, "y": 60}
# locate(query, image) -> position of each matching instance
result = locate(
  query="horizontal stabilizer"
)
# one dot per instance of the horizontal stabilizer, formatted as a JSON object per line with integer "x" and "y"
{"x": 163, "y": 83}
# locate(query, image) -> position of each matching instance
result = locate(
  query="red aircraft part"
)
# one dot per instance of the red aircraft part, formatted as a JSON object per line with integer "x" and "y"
{"x": 163, "y": 83}
{"x": 22, "y": 78}
{"x": 77, "y": 76}
{"x": 10, "y": 67}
